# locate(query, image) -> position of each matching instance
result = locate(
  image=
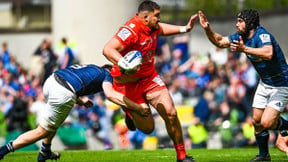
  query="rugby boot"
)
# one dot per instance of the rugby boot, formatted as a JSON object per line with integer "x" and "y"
{"x": 51, "y": 156}
{"x": 186, "y": 159}
{"x": 129, "y": 123}
{"x": 260, "y": 158}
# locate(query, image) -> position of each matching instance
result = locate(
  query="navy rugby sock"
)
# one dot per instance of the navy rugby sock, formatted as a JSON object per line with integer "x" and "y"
{"x": 7, "y": 148}
{"x": 262, "y": 142}
{"x": 282, "y": 124}
{"x": 45, "y": 149}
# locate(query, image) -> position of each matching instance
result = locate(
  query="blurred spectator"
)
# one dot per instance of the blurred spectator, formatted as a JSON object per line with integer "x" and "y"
{"x": 248, "y": 138}
{"x": 198, "y": 135}
{"x": 192, "y": 90}
{"x": 5, "y": 54}
{"x": 181, "y": 42}
{"x": 201, "y": 109}
{"x": 99, "y": 109}
{"x": 175, "y": 92}
{"x": 162, "y": 54}
{"x": 12, "y": 66}
{"x": 136, "y": 138}
{"x": 48, "y": 58}
{"x": 219, "y": 56}
{"x": 37, "y": 105}
{"x": 68, "y": 58}
{"x": 175, "y": 62}
{"x": 250, "y": 80}
{"x": 236, "y": 92}
{"x": 17, "y": 117}
{"x": 218, "y": 87}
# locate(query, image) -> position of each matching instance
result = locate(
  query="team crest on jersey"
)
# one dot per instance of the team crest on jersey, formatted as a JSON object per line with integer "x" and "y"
{"x": 148, "y": 56}
{"x": 124, "y": 34}
{"x": 265, "y": 38}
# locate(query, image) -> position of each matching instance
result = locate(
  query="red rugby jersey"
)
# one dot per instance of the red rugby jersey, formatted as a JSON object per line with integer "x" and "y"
{"x": 134, "y": 35}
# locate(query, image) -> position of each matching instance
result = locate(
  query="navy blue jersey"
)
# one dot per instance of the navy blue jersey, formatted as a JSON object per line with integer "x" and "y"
{"x": 273, "y": 72}
{"x": 85, "y": 79}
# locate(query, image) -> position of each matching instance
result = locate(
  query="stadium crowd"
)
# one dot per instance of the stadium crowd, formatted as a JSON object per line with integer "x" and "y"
{"x": 216, "y": 87}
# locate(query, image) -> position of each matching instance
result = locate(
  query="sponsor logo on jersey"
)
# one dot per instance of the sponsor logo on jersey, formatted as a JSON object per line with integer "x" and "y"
{"x": 265, "y": 38}
{"x": 124, "y": 34}
{"x": 143, "y": 43}
{"x": 159, "y": 81}
{"x": 132, "y": 25}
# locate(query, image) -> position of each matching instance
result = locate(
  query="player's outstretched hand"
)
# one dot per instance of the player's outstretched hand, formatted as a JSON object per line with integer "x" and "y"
{"x": 203, "y": 20}
{"x": 237, "y": 46}
{"x": 191, "y": 22}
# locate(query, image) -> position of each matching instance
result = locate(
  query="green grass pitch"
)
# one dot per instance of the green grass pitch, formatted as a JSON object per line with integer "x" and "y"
{"x": 163, "y": 155}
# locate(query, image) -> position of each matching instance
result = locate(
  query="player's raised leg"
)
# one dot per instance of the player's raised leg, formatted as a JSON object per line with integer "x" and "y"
{"x": 162, "y": 101}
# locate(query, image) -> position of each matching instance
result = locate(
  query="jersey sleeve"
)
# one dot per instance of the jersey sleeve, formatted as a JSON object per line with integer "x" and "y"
{"x": 126, "y": 36}
{"x": 108, "y": 78}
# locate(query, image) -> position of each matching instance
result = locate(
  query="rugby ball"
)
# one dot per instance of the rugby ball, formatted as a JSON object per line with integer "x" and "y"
{"x": 134, "y": 59}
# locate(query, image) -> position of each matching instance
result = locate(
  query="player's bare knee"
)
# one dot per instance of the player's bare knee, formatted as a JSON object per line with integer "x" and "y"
{"x": 41, "y": 132}
{"x": 266, "y": 124}
{"x": 148, "y": 130}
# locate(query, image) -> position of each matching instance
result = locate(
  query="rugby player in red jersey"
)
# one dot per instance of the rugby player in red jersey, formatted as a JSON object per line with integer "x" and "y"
{"x": 146, "y": 87}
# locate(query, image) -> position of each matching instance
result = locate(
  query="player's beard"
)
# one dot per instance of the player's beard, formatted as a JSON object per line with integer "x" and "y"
{"x": 240, "y": 32}
{"x": 155, "y": 27}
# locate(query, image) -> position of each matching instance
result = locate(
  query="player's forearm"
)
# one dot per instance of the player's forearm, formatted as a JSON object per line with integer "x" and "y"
{"x": 112, "y": 55}
{"x": 112, "y": 50}
{"x": 65, "y": 62}
{"x": 265, "y": 53}
{"x": 216, "y": 38}
{"x": 122, "y": 100}
{"x": 169, "y": 29}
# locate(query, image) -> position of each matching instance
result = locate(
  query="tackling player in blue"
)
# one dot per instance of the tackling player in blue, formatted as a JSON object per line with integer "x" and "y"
{"x": 265, "y": 54}
{"x": 62, "y": 90}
